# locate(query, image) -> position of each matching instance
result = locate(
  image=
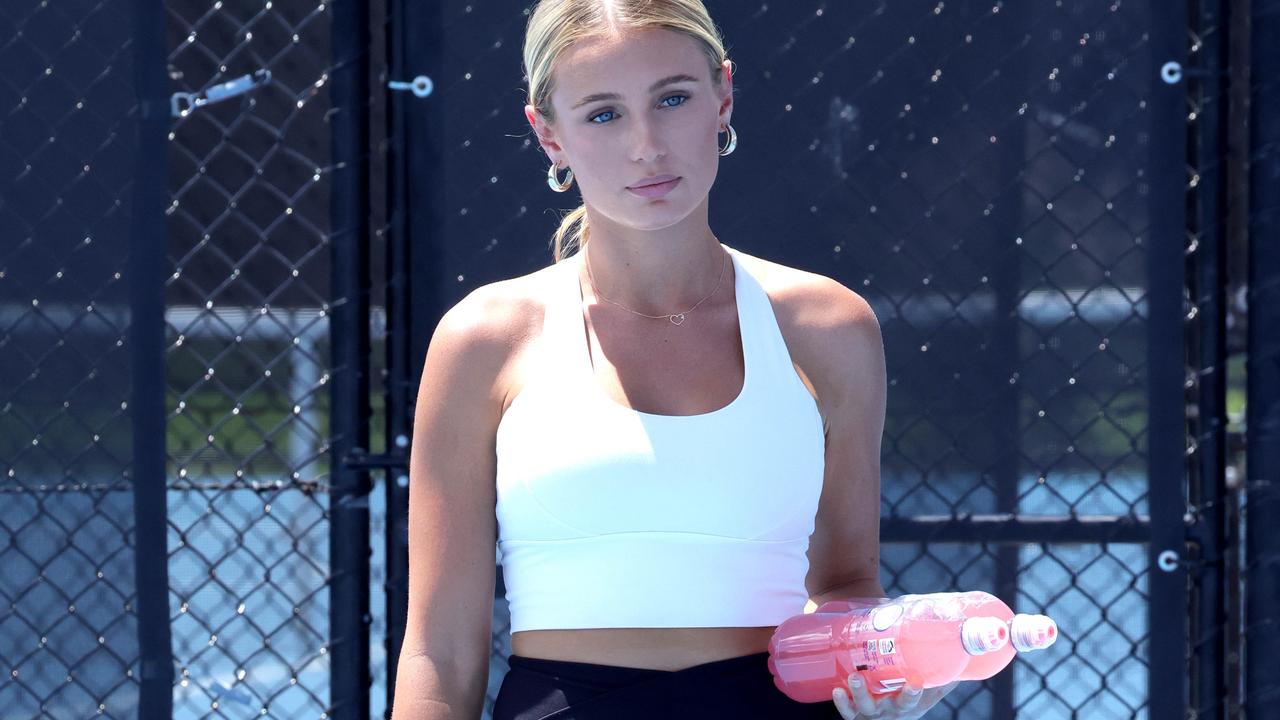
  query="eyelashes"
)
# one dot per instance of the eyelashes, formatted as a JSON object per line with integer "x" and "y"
{"x": 682, "y": 97}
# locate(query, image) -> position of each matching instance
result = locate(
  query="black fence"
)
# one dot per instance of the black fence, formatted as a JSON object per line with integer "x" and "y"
{"x": 216, "y": 294}
{"x": 1257, "y": 212}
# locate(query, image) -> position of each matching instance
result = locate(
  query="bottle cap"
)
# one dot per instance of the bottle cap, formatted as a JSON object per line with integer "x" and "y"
{"x": 983, "y": 635}
{"x": 1032, "y": 632}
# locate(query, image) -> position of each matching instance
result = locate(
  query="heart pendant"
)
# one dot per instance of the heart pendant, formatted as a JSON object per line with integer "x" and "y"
{"x": 674, "y": 320}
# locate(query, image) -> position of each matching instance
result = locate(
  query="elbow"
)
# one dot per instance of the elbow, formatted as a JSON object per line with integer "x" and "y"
{"x": 431, "y": 688}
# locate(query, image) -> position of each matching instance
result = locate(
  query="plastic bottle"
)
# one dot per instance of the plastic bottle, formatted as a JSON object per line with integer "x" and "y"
{"x": 1026, "y": 632}
{"x": 889, "y": 643}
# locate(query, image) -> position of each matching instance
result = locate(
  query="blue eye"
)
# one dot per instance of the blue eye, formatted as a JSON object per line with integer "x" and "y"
{"x": 608, "y": 112}
{"x": 593, "y": 117}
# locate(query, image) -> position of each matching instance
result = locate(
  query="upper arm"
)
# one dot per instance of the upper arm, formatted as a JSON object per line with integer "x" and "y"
{"x": 452, "y": 463}
{"x": 844, "y": 354}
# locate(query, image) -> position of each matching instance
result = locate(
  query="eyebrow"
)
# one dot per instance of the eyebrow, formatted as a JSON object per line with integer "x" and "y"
{"x": 614, "y": 96}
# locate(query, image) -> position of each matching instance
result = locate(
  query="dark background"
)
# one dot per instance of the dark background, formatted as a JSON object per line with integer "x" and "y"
{"x": 212, "y": 325}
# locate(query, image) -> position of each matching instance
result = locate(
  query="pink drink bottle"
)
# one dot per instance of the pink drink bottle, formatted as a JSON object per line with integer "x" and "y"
{"x": 1026, "y": 633}
{"x": 889, "y": 643}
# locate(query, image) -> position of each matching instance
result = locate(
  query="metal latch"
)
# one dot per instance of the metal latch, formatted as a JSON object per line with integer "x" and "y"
{"x": 217, "y": 93}
{"x": 421, "y": 85}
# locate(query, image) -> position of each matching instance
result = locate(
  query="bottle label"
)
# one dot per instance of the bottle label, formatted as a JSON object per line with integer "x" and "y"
{"x": 877, "y": 652}
{"x": 891, "y": 684}
{"x": 883, "y": 618}
{"x": 876, "y": 657}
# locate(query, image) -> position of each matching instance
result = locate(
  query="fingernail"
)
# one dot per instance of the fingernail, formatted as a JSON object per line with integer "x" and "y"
{"x": 856, "y": 682}
{"x": 913, "y": 691}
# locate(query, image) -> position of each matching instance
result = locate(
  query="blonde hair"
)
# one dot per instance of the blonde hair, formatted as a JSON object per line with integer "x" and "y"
{"x": 556, "y": 25}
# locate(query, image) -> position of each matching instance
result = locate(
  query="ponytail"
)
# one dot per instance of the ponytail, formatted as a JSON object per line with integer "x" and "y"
{"x": 572, "y": 234}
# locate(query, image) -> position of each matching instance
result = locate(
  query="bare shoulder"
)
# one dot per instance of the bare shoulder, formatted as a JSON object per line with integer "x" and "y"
{"x": 499, "y": 321}
{"x": 505, "y": 309}
{"x": 809, "y": 295}
{"x": 831, "y": 331}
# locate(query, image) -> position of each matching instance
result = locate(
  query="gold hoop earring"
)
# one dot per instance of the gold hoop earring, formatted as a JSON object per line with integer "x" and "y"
{"x": 733, "y": 141}
{"x": 554, "y": 181}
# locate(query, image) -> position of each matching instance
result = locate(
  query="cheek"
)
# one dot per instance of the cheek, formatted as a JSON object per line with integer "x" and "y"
{"x": 713, "y": 136}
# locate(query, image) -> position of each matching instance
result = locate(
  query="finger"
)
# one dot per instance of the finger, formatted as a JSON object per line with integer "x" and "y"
{"x": 908, "y": 698}
{"x": 841, "y": 698}
{"x": 861, "y": 698}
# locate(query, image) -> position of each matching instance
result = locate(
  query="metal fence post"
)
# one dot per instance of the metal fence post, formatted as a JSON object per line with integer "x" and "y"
{"x": 1166, "y": 445}
{"x": 1262, "y": 565}
{"x": 146, "y": 336}
{"x": 400, "y": 391}
{"x": 349, "y": 427}
{"x": 1206, "y": 357}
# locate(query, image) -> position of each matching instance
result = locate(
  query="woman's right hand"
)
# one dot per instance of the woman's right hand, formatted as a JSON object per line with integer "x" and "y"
{"x": 909, "y": 703}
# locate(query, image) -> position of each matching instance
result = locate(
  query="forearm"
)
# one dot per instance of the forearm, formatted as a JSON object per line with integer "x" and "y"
{"x": 867, "y": 588}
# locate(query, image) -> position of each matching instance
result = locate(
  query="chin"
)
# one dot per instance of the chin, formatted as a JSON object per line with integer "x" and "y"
{"x": 658, "y": 216}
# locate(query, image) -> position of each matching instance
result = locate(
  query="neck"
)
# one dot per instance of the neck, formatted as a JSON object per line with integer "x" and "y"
{"x": 654, "y": 275}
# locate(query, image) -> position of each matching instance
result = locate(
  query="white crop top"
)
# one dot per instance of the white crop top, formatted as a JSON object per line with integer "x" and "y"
{"x": 612, "y": 517}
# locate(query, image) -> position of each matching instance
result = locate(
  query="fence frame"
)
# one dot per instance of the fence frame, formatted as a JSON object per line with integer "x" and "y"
{"x": 349, "y": 551}
{"x": 1262, "y": 551}
{"x": 1192, "y": 528}
{"x": 146, "y": 336}
{"x": 1167, "y": 466}
{"x": 1162, "y": 531}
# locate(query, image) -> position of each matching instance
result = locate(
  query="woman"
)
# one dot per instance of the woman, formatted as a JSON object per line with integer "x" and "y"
{"x": 675, "y": 443}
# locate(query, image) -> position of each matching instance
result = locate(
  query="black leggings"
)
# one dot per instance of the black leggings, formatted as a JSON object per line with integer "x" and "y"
{"x": 740, "y": 688}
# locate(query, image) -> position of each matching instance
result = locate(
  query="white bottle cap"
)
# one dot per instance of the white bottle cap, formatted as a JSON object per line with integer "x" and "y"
{"x": 1032, "y": 632}
{"x": 983, "y": 635}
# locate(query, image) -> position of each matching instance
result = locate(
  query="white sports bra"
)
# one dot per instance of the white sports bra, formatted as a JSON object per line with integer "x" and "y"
{"x": 612, "y": 517}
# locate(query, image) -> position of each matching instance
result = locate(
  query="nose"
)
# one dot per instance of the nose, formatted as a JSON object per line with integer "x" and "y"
{"x": 646, "y": 140}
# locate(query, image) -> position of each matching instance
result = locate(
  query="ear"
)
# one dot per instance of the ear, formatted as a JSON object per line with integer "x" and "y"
{"x": 726, "y": 92}
{"x": 545, "y": 133}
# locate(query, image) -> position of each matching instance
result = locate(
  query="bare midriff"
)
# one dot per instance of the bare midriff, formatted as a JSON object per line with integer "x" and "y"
{"x": 650, "y": 648}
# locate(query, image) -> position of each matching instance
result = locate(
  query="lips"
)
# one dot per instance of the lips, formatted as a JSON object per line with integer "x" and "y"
{"x": 655, "y": 180}
{"x": 655, "y": 192}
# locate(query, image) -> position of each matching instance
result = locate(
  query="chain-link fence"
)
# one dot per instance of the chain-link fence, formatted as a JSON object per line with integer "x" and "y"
{"x": 1002, "y": 183}
{"x": 193, "y": 434}
{"x": 69, "y": 623}
{"x": 249, "y": 306}
{"x": 246, "y": 357}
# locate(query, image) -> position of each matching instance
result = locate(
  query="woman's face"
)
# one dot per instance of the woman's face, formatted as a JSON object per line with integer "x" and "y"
{"x": 613, "y": 144}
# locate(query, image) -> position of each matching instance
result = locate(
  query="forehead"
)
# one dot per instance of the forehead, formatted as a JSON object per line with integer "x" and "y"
{"x": 627, "y": 62}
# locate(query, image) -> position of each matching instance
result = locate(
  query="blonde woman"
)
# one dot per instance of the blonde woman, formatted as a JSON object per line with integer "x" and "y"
{"x": 675, "y": 444}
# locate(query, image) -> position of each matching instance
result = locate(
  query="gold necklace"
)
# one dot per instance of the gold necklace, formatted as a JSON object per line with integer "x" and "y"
{"x": 672, "y": 317}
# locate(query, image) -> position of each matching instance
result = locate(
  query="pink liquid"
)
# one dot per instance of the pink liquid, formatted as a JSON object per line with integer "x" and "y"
{"x": 976, "y": 603}
{"x": 988, "y": 664}
{"x": 888, "y": 643}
